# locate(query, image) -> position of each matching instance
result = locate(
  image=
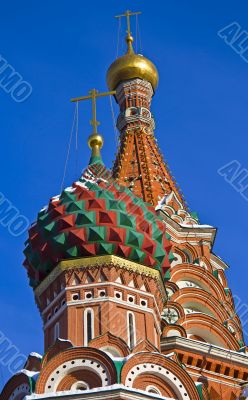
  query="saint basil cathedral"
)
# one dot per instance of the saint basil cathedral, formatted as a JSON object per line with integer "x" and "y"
{"x": 134, "y": 302}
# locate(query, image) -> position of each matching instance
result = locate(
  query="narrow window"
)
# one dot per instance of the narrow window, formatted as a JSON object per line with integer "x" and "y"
{"x": 88, "y": 326}
{"x": 131, "y": 330}
{"x": 56, "y": 331}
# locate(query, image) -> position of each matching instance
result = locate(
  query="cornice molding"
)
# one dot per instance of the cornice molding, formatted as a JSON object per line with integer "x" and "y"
{"x": 100, "y": 261}
{"x": 189, "y": 345}
{"x": 114, "y": 392}
{"x": 180, "y": 232}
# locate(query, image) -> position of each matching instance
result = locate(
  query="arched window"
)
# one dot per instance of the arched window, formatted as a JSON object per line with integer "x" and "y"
{"x": 80, "y": 385}
{"x": 153, "y": 389}
{"x": 88, "y": 326}
{"x": 56, "y": 331}
{"x": 131, "y": 330}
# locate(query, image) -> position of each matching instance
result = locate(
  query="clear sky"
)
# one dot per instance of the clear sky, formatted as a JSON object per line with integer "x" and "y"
{"x": 63, "y": 49}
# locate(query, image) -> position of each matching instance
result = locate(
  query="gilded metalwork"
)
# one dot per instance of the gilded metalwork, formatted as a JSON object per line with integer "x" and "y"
{"x": 95, "y": 140}
{"x": 93, "y": 95}
{"x": 131, "y": 65}
{"x": 128, "y": 14}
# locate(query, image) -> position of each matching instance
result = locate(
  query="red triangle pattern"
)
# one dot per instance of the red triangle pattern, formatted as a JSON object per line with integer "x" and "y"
{"x": 67, "y": 221}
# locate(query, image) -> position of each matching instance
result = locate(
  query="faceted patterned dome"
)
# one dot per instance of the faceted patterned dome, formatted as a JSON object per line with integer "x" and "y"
{"x": 95, "y": 217}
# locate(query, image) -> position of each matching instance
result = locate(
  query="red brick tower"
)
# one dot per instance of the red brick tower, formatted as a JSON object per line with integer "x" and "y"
{"x": 134, "y": 303}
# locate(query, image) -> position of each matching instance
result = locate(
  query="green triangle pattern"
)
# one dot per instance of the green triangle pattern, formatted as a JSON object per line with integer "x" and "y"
{"x": 73, "y": 251}
{"x": 66, "y": 197}
{"x": 134, "y": 239}
{"x": 75, "y": 206}
{"x": 50, "y": 227}
{"x": 96, "y": 233}
{"x": 126, "y": 220}
{"x": 159, "y": 254}
{"x": 60, "y": 239}
{"x": 106, "y": 248}
{"x": 86, "y": 218}
{"x": 137, "y": 255}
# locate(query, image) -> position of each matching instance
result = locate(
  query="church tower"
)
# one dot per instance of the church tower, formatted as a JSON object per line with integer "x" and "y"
{"x": 134, "y": 303}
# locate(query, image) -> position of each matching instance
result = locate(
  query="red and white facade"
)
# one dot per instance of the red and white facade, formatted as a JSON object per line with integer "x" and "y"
{"x": 117, "y": 329}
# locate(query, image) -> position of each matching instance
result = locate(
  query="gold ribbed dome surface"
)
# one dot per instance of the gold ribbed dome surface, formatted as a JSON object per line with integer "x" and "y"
{"x": 131, "y": 66}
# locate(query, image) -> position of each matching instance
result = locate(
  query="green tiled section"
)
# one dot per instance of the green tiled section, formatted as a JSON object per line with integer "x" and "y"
{"x": 216, "y": 274}
{"x": 75, "y": 206}
{"x": 167, "y": 275}
{"x": 137, "y": 255}
{"x": 158, "y": 235}
{"x": 51, "y": 239}
{"x": 96, "y": 233}
{"x": 73, "y": 251}
{"x": 159, "y": 254}
{"x": 86, "y": 218}
{"x": 126, "y": 220}
{"x": 60, "y": 239}
{"x": 50, "y": 227}
{"x": 115, "y": 205}
{"x": 194, "y": 215}
{"x": 118, "y": 367}
{"x": 106, "y": 248}
{"x": 66, "y": 197}
{"x": 171, "y": 256}
{"x": 103, "y": 194}
{"x": 134, "y": 239}
{"x": 42, "y": 218}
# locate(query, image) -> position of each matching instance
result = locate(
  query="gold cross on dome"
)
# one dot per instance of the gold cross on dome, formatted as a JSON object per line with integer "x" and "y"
{"x": 128, "y": 14}
{"x": 93, "y": 95}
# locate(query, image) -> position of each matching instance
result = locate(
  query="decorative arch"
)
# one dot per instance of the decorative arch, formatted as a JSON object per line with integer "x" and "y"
{"x": 18, "y": 387}
{"x": 63, "y": 370}
{"x": 174, "y": 330}
{"x": 57, "y": 347}
{"x": 155, "y": 369}
{"x": 112, "y": 341}
{"x": 201, "y": 300}
{"x": 191, "y": 252}
{"x": 200, "y": 275}
{"x": 179, "y": 257}
{"x": 210, "y": 330}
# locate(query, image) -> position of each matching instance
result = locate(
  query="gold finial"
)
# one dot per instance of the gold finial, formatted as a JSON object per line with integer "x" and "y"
{"x": 129, "y": 38}
{"x": 95, "y": 140}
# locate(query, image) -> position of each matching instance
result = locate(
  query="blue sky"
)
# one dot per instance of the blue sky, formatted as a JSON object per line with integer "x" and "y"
{"x": 63, "y": 49}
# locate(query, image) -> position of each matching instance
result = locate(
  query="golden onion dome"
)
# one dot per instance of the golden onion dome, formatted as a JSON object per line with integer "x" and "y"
{"x": 131, "y": 66}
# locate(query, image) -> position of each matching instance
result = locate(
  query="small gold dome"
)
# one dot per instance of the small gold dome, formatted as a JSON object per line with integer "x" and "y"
{"x": 131, "y": 66}
{"x": 95, "y": 140}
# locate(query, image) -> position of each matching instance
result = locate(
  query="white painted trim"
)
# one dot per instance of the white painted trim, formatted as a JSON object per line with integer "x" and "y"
{"x": 92, "y": 285}
{"x": 171, "y": 379}
{"x": 67, "y": 367}
{"x": 234, "y": 381}
{"x": 114, "y": 392}
{"x": 150, "y": 387}
{"x": 54, "y": 316}
{"x": 95, "y": 301}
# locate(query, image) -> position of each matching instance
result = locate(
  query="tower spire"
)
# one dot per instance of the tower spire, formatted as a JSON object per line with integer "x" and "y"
{"x": 95, "y": 140}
